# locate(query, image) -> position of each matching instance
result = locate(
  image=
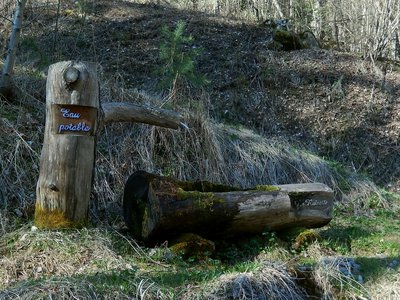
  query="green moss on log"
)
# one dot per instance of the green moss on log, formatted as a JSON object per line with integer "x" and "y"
{"x": 305, "y": 238}
{"x": 267, "y": 188}
{"x": 202, "y": 200}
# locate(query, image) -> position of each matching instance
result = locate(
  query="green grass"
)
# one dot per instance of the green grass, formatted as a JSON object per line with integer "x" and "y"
{"x": 183, "y": 274}
{"x": 375, "y": 233}
{"x": 126, "y": 269}
{"x": 104, "y": 282}
{"x": 373, "y": 268}
{"x": 372, "y": 239}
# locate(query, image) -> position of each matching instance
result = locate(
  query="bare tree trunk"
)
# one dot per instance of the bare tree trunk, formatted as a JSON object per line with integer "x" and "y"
{"x": 55, "y": 37}
{"x": 278, "y": 8}
{"x": 387, "y": 23}
{"x": 291, "y": 10}
{"x": 6, "y": 81}
{"x": 336, "y": 30}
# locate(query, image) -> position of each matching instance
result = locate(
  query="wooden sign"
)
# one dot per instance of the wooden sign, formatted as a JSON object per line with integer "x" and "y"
{"x": 74, "y": 119}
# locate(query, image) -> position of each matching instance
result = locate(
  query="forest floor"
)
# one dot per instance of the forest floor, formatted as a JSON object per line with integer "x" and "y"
{"x": 266, "y": 117}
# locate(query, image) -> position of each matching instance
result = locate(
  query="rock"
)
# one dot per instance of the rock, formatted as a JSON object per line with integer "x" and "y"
{"x": 393, "y": 264}
{"x": 345, "y": 265}
{"x": 288, "y": 39}
{"x": 360, "y": 279}
{"x": 18, "y": 212}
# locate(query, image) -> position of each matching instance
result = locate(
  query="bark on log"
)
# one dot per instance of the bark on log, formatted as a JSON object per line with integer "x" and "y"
{"x": 158, "y": 208}
{"x": 67, "y": 159}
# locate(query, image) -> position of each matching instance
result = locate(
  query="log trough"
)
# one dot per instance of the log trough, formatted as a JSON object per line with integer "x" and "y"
{"x": 159, "y": 208}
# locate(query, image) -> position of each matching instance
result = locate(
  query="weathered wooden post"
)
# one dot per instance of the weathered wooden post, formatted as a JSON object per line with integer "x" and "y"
{"x": 73, "y": 119}
{"x": 67, "y": 159}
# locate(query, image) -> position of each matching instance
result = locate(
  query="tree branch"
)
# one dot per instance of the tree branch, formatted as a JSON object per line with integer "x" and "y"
{"x": 129, "y": 112}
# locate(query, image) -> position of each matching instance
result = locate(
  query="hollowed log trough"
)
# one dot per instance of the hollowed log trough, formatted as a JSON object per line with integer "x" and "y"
{"x": 159, "y": 208}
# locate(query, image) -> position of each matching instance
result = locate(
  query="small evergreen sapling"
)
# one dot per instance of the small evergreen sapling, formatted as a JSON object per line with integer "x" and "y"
{"x": 178, "y": 57}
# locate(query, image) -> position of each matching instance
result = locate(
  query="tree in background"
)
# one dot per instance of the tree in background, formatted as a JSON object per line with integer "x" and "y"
{"x": 368, "y": 27}
{"x": 6, "y": 81}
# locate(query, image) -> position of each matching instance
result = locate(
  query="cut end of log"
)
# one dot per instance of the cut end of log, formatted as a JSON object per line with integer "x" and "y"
{"x": 71, "y": 75}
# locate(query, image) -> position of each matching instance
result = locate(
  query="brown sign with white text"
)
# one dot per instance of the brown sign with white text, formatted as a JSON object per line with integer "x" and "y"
{"x": 74, "y": 119}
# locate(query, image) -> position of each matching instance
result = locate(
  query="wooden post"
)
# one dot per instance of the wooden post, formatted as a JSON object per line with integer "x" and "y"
{"x": 67, "y": 159}
{"x": 73, "y": 119}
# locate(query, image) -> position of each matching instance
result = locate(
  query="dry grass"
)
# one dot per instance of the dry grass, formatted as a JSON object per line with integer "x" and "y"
{"x": 74, "y": 264}
{"x": 386, "y": 287}
{"x": 329, "y": 278}
{"x": 32, "y": 254}
{"x": 268, "y": 281}
{"x": 52, "y": 289}
{"x": 81, "y": 288}
{"x": 20, "y": 131}
{"x": 334, "y": 284}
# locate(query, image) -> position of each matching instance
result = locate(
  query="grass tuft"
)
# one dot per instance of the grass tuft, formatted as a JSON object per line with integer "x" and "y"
{"x": 270, "y": 279}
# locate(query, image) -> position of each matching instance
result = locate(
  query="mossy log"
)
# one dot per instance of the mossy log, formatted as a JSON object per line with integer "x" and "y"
{"x": 159, "y": 208}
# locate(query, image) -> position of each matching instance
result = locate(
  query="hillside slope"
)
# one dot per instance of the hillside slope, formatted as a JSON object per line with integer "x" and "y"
{"x": 339, "y": 105}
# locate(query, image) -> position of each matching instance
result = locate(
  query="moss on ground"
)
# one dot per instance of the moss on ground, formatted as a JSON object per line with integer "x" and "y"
{"x": 54, "y": 219}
